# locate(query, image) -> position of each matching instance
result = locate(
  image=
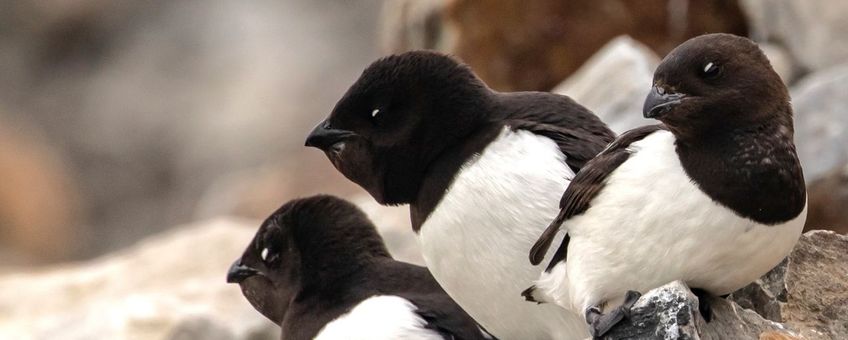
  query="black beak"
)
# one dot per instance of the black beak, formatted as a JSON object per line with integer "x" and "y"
{"x": 659, "y": 102}
{"x": 323, "y": 137}
{"x": 239, "y": 272}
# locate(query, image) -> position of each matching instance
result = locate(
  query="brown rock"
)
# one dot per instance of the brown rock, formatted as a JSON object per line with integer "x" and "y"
{"x": 38, "y": 198}
{"x": 827, "y": 200}
{"x": 521, "y": 45}
{"x": 817, "y": 286}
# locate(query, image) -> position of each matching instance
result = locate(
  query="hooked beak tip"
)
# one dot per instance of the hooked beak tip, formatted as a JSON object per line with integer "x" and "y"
{"x": 239, "y": 272}
{"x": 323, "y": 137}
{"x": 659, "y": 102}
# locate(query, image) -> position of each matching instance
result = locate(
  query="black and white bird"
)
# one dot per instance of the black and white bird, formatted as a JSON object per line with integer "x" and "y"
{"x": 714, "y": 196}
{"x": 481, "y": 170}
{"x": 318, "y": 268}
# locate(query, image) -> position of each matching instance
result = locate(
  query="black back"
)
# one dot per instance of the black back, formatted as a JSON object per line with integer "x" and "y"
{"x": 413, "y": 119}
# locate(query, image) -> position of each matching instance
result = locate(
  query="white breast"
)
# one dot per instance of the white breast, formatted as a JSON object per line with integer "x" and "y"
{"x": 651, "y": 224}
{"x": 477, "y": 240}
{"x": 381, "y": 317}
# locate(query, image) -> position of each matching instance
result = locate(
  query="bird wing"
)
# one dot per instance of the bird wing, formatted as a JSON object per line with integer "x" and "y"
{"x": 585, "y": 186}
{"x": 578, "y": 146}
{"x": 445, "y": 317}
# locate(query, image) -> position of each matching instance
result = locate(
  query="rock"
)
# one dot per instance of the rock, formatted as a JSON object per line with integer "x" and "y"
{"x": 667, "y": 312}
{"x": 415, "y": 25}
{"x": 516, "y": 45}
{"x": 171, "y": 286}
{"x": 821, "y": 120}
{"x": 780, "y": 60}
{"x": 671, "y": 312}
{"x": 817, "y": 286}
{"x": 150, "y": 102}
{"x": 827, "y": 199}
{"x": 256, "y": 193}
{"x": 808, "y": 290}
{"x": 614, "y": 83}
{"x": 814, "y": 31}
{"x": 39, "y": 198}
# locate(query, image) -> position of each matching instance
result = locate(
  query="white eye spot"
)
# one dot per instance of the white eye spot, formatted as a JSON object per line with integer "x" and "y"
{"x": 264, "y": 254}
{"x": 708, "y": 67}
{"x": 375, "y": 112}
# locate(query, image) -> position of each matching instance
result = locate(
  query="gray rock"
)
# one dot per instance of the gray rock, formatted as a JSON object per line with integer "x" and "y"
{"x": 171, "y": 286}
{"x": 821, "y": 120}
{"x": 614, "y": 83}
{"x": 814, "y": 31}
{"x": 780, "y": 60}
{"x": 808, "y": 291}
{"x": 667, "y": 312}
{"x": 671, "y": 312}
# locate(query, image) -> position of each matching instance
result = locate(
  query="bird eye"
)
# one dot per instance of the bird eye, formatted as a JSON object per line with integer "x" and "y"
{"x": 375, "y": 113}
{"x": 710, "y": 70}
{"x": 264, "y": 254}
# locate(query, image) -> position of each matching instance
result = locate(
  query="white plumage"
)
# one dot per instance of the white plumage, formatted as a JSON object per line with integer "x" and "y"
{"x": 651, "y": 225}
{"x": 475, "y": 242}
{"x": 382, "y": 317}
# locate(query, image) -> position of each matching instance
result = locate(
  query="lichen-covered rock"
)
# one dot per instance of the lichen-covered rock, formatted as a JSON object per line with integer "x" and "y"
{"x": 671, "y": 312}
{"x": 667, "y": 312}
{"x": 614, "y": 83}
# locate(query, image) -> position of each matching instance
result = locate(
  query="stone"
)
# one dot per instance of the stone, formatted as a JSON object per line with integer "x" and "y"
{"x": 39, "y": 197}
{"x": 814, "y": 31}
{"x": 827, "y": 199}
{"x": 666, "y": 312}
{"x": 821, "y": 120}
{"x": 518, "y": 45}
{"x": 614, "y": 83}
{"x": 780, "y": 60}
{"x": 807, "y": 291}
{"x": 671, "y": 312}
{"x": 171, "y": 286}
{"x": 817, "y": 286}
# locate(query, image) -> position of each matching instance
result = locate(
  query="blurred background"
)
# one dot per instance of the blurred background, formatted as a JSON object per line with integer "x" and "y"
{"x": 141, "y": 142}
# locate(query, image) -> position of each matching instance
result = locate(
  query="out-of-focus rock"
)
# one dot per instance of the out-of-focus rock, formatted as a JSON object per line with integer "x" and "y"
{"x": 821, "y": 120}
{"x": 415, "y": 25}
{"x": 38, "y": 198}
{"x": 808, "y": 291}
{"x": 828, "y": 199}
{"x": 814, "y": 31}
{"x": 519, "y": 45}
{"x": 152, "y": 101}
{"x": 394, "y": 225}
{"x": 780, "y": 60}
{"x": 614, "y": 83}
{"x": 171, "y": 286}
{"x": 258, "y": 192}
{"x": 671, "y": 312}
